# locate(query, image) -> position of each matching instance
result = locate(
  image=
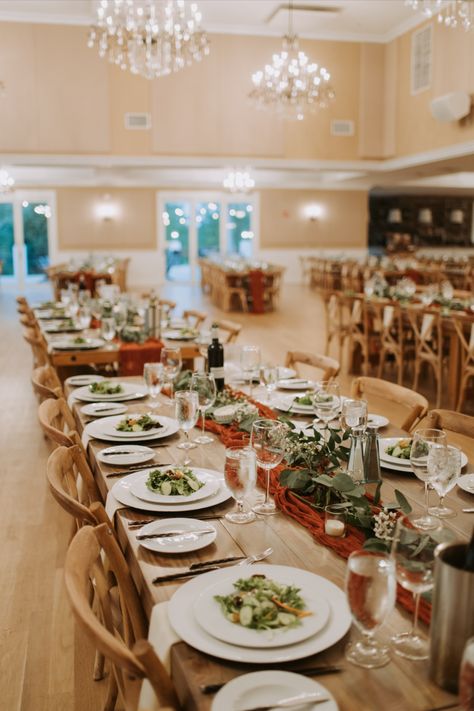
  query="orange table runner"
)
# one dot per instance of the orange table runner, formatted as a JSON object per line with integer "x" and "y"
{"x": 133, "y": 356}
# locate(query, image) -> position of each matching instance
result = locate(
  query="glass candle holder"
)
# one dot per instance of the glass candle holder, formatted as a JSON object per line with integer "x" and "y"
{"x": 334, "y": 521}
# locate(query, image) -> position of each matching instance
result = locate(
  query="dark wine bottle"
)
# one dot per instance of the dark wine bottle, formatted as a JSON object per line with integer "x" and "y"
{"x": 215, "y": 358}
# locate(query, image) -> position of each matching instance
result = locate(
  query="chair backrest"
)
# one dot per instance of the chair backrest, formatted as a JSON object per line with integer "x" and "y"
{"x": 452, "y": 421}
{"x": 329, "y": 366}
{"x": 115, "y": 641}
{"x": 195, "y": 318}
{"x": 38, "y": 347}
{"x": 382, "y": 390}
{"x": 230, "y": 328}
{"x": 72, "y": 484}
{"x": 465, "y": 332}
{"x": 167, "y": 305}
{"x": 58, "y": 423}
{"x": 427, "y": 329}
{"x": 46, "y": 383}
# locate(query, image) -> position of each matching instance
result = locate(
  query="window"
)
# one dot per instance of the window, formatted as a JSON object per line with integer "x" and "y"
{"x": 7, "y": 239}
{"x": 239, "y": 228}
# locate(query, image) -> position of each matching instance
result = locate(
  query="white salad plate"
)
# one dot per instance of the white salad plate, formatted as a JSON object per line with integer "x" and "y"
{"x": 104, "y": 429}
{"x": 386, "y": 459}
{"x": 141, "y": 491}
{"x": 466, "y": 483}
{"x": 295, "y": 384}
{"x": 287, "y": 404}
{"x": 109, "y": 426}
{"x": 57, "y": 328}
{"x": 185, "y": 624}
{"x": 208, "y": 613}
{"x": 269, "y": 687}
{"x": 125, "y": 454}
{"x": 77, "y": 380}
{"x": 67, "y": 344}
{"x": 122, "y": 491}
{"x": 184, "y": 543}
{"x": 103, "y": 409}
{"x": 175, "y": 335}
{"x": 49, "y": 315}
{"x": 130, "y": 391}
{"x": 377, "y": 420}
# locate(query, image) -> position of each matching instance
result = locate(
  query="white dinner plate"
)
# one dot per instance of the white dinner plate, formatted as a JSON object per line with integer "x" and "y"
{"x": 130, "y": 391}
{"x": 286, "y": 403}
{"x": 267, "y": 687}
{"x": 77, "y": 380}
{"x": 401, "y": 464}
{"x": 49, "y": 315}
{"x": 97, "y": 430}
{"x": 466, "y": 483}
{"x": 295, "y": 384}
{"x": 67, "y": 344}
{"x": 56, "y": 328}
{"x": 186, "y": 543}
{"x": 136, "y": 454}
{"x": 209, "y": 615}
{"x": 182, "y": 618}
{"x": 103, "y": 409}
{"x": 140, "y": 490}
{"x": 122, "y": 491}
{"x": 109, "y": 426}
{"x": 175, "y": 335}
{"x": 377, "y": 420}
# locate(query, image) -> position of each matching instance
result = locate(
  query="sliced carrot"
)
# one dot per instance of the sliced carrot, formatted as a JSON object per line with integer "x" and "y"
{"x": 293, "y": 610}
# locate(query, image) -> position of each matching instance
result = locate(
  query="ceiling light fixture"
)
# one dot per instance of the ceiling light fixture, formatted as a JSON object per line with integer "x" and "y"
{"x": 151, "y": 38}
{"x": 239, "y": 181}
{"x": 292, "y": 85}
{"x": 6, "y": 181}
{"x": 451, "y": 13}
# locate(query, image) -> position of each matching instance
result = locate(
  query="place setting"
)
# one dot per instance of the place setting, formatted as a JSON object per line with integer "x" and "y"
{"x": 79, "y": 343}
{"x": 103, "y": 390}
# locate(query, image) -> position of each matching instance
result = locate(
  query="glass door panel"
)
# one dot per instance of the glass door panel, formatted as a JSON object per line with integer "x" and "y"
{"x": 239, "y": 229}
{"x": 35, "y": 236}
{"x": 208, "y": 215}
{"x": 7, "y": 238}
{"x": 176, "y": 221}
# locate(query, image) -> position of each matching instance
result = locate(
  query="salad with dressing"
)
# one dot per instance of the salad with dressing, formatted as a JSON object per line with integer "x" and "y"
{"x": 178, "y": 481}
{"x": 138, "y": 423}
{"x": 105, "y": 387}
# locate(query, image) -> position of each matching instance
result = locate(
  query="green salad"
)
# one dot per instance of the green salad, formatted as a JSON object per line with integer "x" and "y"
{"x": 262, "y": 604}
{"x": 188, "y": 332}
{"x": 400, "y": 449}
{"x": 79, "y": 340}
{"x": 179, "y": 481}
{"x": 138, "y": 424}
{"x": 306, "y": 399}
{"x": 104, "y": 387}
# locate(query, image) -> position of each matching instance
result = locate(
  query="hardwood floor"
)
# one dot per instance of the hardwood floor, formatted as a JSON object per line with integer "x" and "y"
{"x": 45, "y": 665}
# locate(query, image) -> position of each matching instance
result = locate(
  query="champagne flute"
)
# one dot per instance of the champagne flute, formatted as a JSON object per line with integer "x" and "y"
{"x": 327, "y": 400}
{"x": 205, "y": 386}
{"x": 269, "y": 379}
{"x": 250, "y": 362}
{"x": 187, "y": 409}
{"x": 107, "y": 329}
{"x": 171, "y": 360}
{"x": 413, "y": 550}
{"x": 371, "y": 591}
{"x": 420, "y": 447}
{"x": 444, "y": 464}
{"x": 268, "y": 439}
{"x": 240, "y": 473}
{"x": 154, "y": 378}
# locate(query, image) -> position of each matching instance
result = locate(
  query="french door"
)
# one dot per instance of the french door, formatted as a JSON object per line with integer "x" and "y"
{"x": 196, "y": 225}
{"x": 27, "y": 236}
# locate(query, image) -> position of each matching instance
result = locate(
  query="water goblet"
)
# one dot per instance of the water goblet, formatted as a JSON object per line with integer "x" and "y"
{"x": 269, "y": 379}
{"x": 371, "y": 591}
{"x": 154, "y": 379}
{"x": 171, "y": 360}
{"x": 250, "y": 363}
{"x": 120, "y": 317}
{"x": 84, "y": 317}
{"x": 84, "y": 297}
{"x": 240, "y": 472}
{"x": 205, "y": 387}
{"x": 107, "y": 329}
{"x": 327, "y": 400}
{"x": 187, "y": 409}
{"x": 420, "y": 448}
{"x": 444, "y": 464}
{"x": 268, "y": 439}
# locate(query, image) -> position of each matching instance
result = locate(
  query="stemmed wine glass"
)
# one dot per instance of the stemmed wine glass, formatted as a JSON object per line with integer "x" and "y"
{"x": 420, "y": 448}
{"x": 413, "y": 550}
{"x": 444, "y": 465}
{"x": 327, "y": 400}
{"x": 268, "y": 438}
{"x": 250, "y": 362}
{"x": 240, "y": 474}
{"x": 107, "y": 329}
{"x": 171, "y": 360}
{"x": 84, "y": 317}
{"x": 120, "y": 317}
{"x": 371, "y": 591}
{"x": 269, "y": 379}
{"x": 154, "y": 379}
{"x": 187, "y": 409}
{"x": 205, "y": 387}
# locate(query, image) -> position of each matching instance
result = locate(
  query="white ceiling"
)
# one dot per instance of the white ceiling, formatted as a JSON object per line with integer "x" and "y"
{"x": 363, "y": 20}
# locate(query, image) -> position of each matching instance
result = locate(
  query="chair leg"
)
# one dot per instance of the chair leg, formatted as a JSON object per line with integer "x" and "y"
{"x": 381, "y": 363}
{"x": 112, "y": 693}
{"x": 462, "y": 390}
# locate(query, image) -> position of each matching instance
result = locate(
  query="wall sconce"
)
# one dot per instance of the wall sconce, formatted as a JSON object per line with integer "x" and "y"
{"x": 456, "y": 217}
{"x": 106, "y": 210}
{"x": 425, "y": 216}
{"x": 313, "y": 212}
{"x": 394, "y": 215}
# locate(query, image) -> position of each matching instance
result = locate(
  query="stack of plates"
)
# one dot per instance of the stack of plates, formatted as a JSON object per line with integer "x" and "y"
{"x": 129, "y": 391}
{"x": 397, "y": 464}
{"x": 197, "y": 617}
{"x": 105, "y": 428}
{"x": 295, "y": 384}
{"x": 132, "y": 491}
{"x": 287, "y": 403}
{"x": 177, "y": 335}
{"x": 68, "y": 344}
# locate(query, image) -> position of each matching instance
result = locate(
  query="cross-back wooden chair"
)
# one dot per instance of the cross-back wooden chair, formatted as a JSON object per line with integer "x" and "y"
{"x": 46, "y": 383}
{"x": 335, "y": 329}
{"x": 452, "y": 421}
{"x": 369, "y": 388}
{"x": 57, "y": 422}
{"x": 28, "y": 320}
{"x": 167, "y": 307}
{"x": 357, "y": 333}
{"x": 428, "y": 333}
{"x": 329, "y": 366}
{"x": 228, "y": 287}
{"x": 465, "y": 334}
{"x": 231, "y": 329}
{"x": 194, "y": 318}
{"x": 38, "y": 346}
{"x": 391, "y": 339}
{"x": 125, "y": 645}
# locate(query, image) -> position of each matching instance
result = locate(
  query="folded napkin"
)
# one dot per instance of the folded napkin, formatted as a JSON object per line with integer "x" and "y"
{"x": 112, "y": 505}
{"x": 133, "y": 356}
{"x": 85, "y": 439}
{"x": 71, "y": 400}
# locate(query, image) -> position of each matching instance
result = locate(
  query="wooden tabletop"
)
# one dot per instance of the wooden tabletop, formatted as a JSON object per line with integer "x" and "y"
{"x": 400, "y": 686}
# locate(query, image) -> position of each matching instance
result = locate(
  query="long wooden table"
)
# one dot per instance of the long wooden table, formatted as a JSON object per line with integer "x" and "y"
{"x": 403, "y": 685}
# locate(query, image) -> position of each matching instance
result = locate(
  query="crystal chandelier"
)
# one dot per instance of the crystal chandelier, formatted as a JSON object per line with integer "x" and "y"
{"x": 451, "y": 13}
{"x": 149, "y": 37}
{"x": 6, "y": 181}
{"x": 239, "y": 181}
{"x": 292, "y": 85}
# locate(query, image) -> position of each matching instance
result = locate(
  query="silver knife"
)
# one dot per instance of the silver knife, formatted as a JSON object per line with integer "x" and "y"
{"x": 300, "y": 700}
{"x": 174, "y": 534}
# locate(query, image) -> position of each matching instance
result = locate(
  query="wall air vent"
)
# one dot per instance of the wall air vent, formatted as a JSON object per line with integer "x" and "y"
{"x": 137, "y": 122}
{"x": 421, "y": 59}
{"x": 341, "y": 127}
